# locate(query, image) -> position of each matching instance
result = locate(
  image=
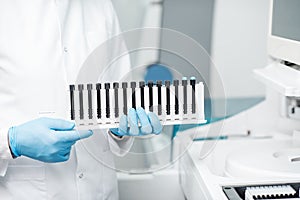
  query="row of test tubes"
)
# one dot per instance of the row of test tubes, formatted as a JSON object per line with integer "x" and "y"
{"x": 177, "y": 102}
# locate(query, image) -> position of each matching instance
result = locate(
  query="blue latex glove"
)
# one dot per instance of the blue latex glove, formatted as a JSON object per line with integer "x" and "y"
{"x": 150, "y": 124}
{"x": 45, "y": 139}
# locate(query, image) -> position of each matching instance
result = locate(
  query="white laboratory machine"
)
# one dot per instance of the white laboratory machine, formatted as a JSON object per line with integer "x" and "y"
{"x": 258, "y": 153}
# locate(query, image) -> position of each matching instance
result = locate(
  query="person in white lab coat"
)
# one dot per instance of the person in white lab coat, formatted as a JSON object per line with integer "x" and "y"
{"x": 42, "y": 46}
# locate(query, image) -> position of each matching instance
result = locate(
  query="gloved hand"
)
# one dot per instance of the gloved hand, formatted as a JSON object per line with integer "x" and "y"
{"x": 45, "y": 139}
{"x": 150, "y": 124}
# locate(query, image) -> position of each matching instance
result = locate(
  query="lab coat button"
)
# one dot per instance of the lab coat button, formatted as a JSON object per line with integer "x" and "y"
{"x": 65, "y": 49}
{"x": 80, "y": 176}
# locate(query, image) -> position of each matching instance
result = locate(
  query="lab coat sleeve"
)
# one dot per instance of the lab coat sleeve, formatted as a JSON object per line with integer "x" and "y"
{"x": 5, "y": 154}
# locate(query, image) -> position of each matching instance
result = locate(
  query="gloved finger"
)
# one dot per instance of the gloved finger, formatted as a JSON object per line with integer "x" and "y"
{"x": 85, "y": 133}
{"x": 58, "y": 124}
{"x": 133, "y": 122}
{"x": 69, "y": 136}
{"x": 155, "y": 123}
{"x": 123, "y": 127}
{"x": 69, "y": 144}
{"x": 145, "y": 123}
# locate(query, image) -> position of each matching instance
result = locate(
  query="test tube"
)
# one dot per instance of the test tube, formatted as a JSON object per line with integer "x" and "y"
{"x": 184, "y": 84}
{"x": 72, "y": 89}
{"x": 81, "y": 111}
{"x": 193, "y": 84}
{"x": 159, "y": 85}
{"x": 168, "y": 106}
{"x": 176, "y": 84}
{"x": 150, "y": 86}
{"x": 107, "y": 87}
{"x": 98, "y": 88}
{"x": 142, "y": 89}
{"x": 133, "y": 86}
{"x": 116, "y": 87}
{"x": 124, "y": 87}
{"x": 90, "y": 101}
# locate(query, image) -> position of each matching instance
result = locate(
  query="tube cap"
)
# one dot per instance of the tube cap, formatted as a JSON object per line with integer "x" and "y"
{"x": 72, "y": 87}
{"x": 176, "y": 82}
{"x": 124, "y": 85}
{"x": 192, "y": 82}
{"x": 89, "y": 86}
{"x": 150, "y": 84}
{"x": 116, "y": 85}
{"x": 159, "y": 83}
{"x": 167, "y": 83}
{"x": 142, "y": 84}
{"x": 133, "y": 84}
{"x": 98, "y": 86}
{"x": 80, "y": 87}
{"x": 107, "y": 86}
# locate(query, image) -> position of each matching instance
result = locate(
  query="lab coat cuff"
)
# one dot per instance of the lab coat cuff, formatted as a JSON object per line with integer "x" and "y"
{"x": 119, "y": 146}
{"x": 5, "y": 154}
{"x": 116, "y": 137}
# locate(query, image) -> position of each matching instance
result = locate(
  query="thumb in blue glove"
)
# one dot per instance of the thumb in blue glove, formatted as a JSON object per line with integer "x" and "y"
{"x": 45, "y": 139}
{"x": 150, "y": 124}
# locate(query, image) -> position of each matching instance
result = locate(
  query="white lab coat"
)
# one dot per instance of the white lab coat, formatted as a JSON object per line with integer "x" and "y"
{"x": 43, "y": 43}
